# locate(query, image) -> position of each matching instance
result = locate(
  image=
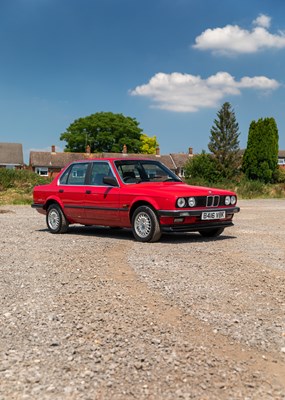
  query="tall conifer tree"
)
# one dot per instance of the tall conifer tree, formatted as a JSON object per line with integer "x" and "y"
{"x": 260, "y": 160}
{"x": 224, "y": 142}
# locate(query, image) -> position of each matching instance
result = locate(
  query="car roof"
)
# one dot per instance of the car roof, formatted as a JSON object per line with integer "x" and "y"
{"x": 141, "y": 158}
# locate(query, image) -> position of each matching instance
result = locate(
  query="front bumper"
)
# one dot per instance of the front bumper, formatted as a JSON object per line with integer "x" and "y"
{"x": 197, "y": 212}
{"x": 196, "y": 227}
{"x": 35, "y": 205}
{"x": 190, "y": 220}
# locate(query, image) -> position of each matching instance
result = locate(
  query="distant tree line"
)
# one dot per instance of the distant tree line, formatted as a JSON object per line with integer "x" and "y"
{"x": 109, "y": 132}
{"x": 226, "y": 161}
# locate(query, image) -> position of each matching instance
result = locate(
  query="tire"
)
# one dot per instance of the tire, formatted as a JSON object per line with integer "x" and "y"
{"x": 56, "y": 221}
{"x": 145, "y": 225}
{"x": 215, "y": 232}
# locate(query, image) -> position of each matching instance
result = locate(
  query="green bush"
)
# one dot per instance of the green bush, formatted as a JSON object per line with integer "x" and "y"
{"x": 202, "y": 167}
{"x": 245, "y": 188}
{"x": 250, "y": 189}
{"x": 279, "y": 175}
{"x": 20, "y": 179}
{"x": 16, "y": 186}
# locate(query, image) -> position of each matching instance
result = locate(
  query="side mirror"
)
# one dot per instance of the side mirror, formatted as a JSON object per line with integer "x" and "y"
{"x": 110, "y": 180}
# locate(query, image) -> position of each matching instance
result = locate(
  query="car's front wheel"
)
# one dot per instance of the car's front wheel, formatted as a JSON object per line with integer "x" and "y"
{"x": 145, "y": 225}
{"x": 56, "y": 221}
{"x": 211, "y": 232}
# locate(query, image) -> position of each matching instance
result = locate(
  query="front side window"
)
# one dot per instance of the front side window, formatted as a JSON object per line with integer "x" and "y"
{"x": 74, "y": 175}
{"x": 144, "y": 171}
{"x": 100, "y": 169}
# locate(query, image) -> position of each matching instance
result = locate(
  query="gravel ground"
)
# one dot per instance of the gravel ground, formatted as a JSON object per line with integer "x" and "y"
{"x": 92, "y": 314}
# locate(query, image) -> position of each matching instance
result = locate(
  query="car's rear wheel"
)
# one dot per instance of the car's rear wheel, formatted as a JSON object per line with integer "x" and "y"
{"x": 211, "y": 232}
{"x": 56, "y": 220}
{"x": 145, "y": 225}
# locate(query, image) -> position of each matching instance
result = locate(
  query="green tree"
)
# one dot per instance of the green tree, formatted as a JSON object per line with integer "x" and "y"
{"x": 260, "y": 160}
{"x": 224, "y": 142}
{"x": 202, "y": 166}
{"x": 149, "y": 144}
{"x": 103, "y": 132}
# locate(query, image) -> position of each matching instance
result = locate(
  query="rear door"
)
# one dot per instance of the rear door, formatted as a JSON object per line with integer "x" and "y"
{"x": 101, "y": 200}
{"x": 72, "y": 191}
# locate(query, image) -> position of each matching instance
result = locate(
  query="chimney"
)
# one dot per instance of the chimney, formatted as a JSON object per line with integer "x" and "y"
{"x": 190, "y": 152}
{"x": 157, "y": 151}
{"x": 125, "y": 150}
{"x": 88, "y": 149}
{"x": 53, "y": 148}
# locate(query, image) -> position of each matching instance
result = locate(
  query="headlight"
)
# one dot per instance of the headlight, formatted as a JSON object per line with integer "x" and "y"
{"x": 181, "y": 202}
{"x": 227, "y": 200}
{"x": 191, "y": 202}
{"x": 233, "y": 200}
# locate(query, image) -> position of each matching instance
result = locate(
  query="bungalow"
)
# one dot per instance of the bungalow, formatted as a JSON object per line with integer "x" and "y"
{"x": 50, "y": 163}
{"x": 11, "y": 156}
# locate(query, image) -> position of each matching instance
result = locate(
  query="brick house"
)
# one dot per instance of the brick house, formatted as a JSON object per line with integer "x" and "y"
{"x": 50, "y": 163}
{"x": 11, "y": 156}
{"x": 281, "y": 158}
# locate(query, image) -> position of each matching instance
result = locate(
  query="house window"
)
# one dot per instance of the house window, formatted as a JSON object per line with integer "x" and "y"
{"x": 42, "y": 171}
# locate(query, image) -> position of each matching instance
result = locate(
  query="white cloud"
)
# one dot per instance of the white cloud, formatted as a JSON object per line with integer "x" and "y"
{"x": 232, "y": 39}
{"x": 188, "y": 93}
{"x": 263, "y": 20}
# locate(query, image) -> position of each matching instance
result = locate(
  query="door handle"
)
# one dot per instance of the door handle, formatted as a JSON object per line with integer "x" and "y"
{"x": 61, "y": 190}
{"x": 88, "y": 192}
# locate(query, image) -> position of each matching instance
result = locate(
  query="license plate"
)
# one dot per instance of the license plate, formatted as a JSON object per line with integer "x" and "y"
{"x": 213, "y": 215}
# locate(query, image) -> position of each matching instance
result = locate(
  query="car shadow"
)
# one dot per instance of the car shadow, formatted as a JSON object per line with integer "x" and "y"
{"x": 126, "y": 234}
{"x": 192, "y": 237}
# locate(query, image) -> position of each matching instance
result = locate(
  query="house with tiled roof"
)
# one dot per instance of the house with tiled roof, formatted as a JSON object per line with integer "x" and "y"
{"x": 281, "y": 158}
{"x": 11, "y": 155}
{"x": 50, "y": 163}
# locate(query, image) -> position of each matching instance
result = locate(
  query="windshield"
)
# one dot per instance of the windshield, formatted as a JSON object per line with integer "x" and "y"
{"x": 136, "y": 171}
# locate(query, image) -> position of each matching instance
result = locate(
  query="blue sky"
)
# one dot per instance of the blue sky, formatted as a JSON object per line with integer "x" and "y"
{"x": 170, "y": 64}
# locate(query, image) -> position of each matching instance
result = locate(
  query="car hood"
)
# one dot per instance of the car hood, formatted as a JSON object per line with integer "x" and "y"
{"x": 174, "y": 188}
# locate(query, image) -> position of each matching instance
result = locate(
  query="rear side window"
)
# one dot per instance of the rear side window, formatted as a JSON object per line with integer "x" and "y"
{"x": 74, "y": 175}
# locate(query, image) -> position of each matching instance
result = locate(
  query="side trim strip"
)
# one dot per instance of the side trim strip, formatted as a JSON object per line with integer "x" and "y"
{"x": 96, "y": 208}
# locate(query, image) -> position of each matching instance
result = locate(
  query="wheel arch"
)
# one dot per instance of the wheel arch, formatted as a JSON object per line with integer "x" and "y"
{"x": 139, "y": 203}
{"x": 53, "y": 201}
